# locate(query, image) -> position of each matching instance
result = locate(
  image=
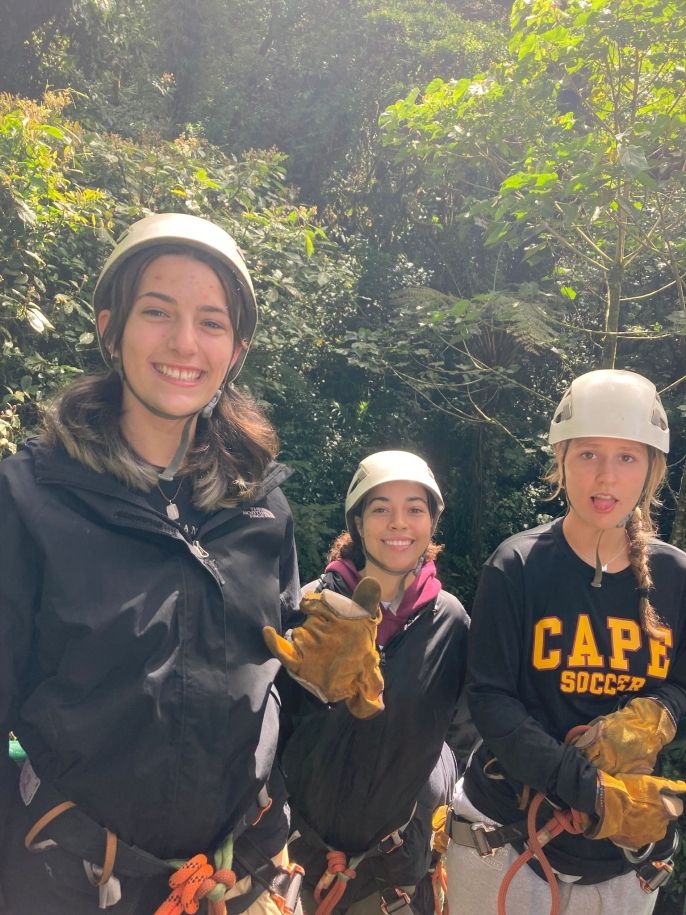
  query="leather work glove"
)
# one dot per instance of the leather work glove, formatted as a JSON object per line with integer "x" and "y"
{"x": 634, "y": 810}
{"x": 333, "y": 654}
{"x": 628, "y": 740}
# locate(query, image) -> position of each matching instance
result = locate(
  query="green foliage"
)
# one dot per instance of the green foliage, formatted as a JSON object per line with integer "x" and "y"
{"x": 574, "y": 143}
{"x": 67, "y": 193}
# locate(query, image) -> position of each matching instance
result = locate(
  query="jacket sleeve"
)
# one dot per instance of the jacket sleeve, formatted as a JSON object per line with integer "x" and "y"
{"x": 669, "y": 590}
{"x": 524, "y": 749}
{"x": 20, "y": 578}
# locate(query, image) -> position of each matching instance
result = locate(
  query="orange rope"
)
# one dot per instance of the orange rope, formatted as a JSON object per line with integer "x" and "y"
{"x": 338, "y": 869}
{"x": 561, "y": 821}
{"x": 439, "y": 885}
{"x": 191, "y": 883}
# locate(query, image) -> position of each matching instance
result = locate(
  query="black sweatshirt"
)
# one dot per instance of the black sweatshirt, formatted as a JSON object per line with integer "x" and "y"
{"x": 549, "y": 652}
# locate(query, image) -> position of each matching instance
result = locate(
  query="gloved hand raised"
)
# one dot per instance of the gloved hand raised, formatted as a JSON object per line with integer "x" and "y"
{"x": 629, "y": 739}
{"x": 333, "y": 654}
{"x": 634, "y": 810}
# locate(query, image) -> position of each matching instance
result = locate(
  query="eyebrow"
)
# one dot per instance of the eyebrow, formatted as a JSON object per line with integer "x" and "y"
{"x": 408, "y": 499}
{"x": 170, "y": 300}
{"x": 590, "y": 444}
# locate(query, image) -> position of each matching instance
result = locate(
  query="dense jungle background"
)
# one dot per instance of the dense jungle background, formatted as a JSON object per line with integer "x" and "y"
{"x": 449, "y": 209}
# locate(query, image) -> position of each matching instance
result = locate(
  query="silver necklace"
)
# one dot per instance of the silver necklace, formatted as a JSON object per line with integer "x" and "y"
{"x": 172, "y": 509}
{"x": 618, "y": 553}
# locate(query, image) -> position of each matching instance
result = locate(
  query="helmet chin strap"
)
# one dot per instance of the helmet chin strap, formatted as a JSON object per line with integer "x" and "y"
{"x": 172, "y": 467}
{"x": 622, "y": 523}
{"x": 401, "y": 575}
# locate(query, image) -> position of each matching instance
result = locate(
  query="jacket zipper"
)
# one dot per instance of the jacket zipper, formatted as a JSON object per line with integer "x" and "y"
{"x": 199, "y": 551}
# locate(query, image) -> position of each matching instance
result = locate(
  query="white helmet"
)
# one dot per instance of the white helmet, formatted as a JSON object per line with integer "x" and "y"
{"x": 389, "y": 467}
{"x": 181, "y": 228}
{"x": 611, "y": 403}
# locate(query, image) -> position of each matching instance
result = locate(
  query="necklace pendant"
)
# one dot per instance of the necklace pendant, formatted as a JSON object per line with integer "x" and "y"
{"x": 172, "y": 511}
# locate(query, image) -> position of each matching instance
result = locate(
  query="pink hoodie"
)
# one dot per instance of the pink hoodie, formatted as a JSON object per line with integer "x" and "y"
{"x": 422, "y": 591}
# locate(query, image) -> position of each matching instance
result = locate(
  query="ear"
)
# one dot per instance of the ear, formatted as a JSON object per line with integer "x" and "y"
{"x": 103, "y": 320}
{"x": 240, "y": 348}
{"x": 358, "y": 524}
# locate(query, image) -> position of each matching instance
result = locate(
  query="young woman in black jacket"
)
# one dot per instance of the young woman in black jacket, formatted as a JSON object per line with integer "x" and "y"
{"x": 145, "y": 544}
{"x": 362, "y": 792}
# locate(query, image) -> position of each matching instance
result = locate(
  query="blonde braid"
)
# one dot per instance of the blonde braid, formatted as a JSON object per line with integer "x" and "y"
{"x": 640, "y": 533}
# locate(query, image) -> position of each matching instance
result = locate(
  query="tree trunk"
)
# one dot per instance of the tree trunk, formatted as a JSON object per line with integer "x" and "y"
{"x": 614, "y": 291}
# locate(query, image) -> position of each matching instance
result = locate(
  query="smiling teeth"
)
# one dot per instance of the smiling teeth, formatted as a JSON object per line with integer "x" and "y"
{"x": 180, "y": 374}
{"x": 397, "y": 542}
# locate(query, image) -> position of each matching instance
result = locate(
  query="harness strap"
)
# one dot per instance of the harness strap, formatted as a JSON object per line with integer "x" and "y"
{"x": 485, "y": 839}
{"x": 110, "y": 856}
{"x": 41, "y": 823}
{"x": 264, "y": 802}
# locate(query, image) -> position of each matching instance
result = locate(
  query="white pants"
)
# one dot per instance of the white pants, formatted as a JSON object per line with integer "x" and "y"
{"x": 474, "y": 882}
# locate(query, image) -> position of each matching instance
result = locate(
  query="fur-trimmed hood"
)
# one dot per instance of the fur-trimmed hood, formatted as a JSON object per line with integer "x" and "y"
{"x": 54, "y": 464}
{"x": 225, "y": 466}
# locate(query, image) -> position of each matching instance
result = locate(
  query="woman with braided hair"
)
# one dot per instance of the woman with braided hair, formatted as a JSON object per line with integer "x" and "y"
{"x": 577, "y": 677}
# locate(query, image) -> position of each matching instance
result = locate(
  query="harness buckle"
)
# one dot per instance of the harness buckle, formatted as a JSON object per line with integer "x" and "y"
{"x": 395, "y": 905}
{"x": 654, "y": 875}
{"x": 390, "y": 843}
{"x": 481, "y": 843}
{"x": 287, "y": 896}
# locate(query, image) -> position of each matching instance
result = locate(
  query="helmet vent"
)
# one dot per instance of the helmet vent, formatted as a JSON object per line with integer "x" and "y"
{"x": 564, "y": 411}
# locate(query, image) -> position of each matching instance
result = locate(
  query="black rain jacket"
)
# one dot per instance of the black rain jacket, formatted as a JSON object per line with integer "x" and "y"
{"x": 352, "y": 782}
{"x": 132, "y": 664}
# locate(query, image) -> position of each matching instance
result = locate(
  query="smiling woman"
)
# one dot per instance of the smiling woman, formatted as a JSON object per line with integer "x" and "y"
{"x": 369, "y": 788}
{"x": 146, "y": 543}
{"x": 177, "y": 347}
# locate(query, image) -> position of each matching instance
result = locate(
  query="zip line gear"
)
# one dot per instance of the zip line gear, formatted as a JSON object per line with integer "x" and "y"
{"x": 611, "y": 403}
{"x": 629, "y": 739}
{"x": 639, "y": 806}
{"x": 391, "y": 467}
{"x": 333, "y": 654}
{"x": 192, "y": 881}
{"x": 182, "y": 229}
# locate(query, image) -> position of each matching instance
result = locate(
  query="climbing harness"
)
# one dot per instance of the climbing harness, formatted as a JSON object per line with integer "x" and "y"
{"x": 341, "y": 870}
{"x": 192, "y": 881}
{"x": 197, "y": 879}
{"x": 487, "y": 839}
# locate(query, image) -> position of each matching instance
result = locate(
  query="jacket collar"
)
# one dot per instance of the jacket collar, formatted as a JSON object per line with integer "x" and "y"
{"x": 54, "y": 467}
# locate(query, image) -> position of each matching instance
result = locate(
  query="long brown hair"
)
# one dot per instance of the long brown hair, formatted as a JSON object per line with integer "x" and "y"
{"x": 640, "y": 529}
